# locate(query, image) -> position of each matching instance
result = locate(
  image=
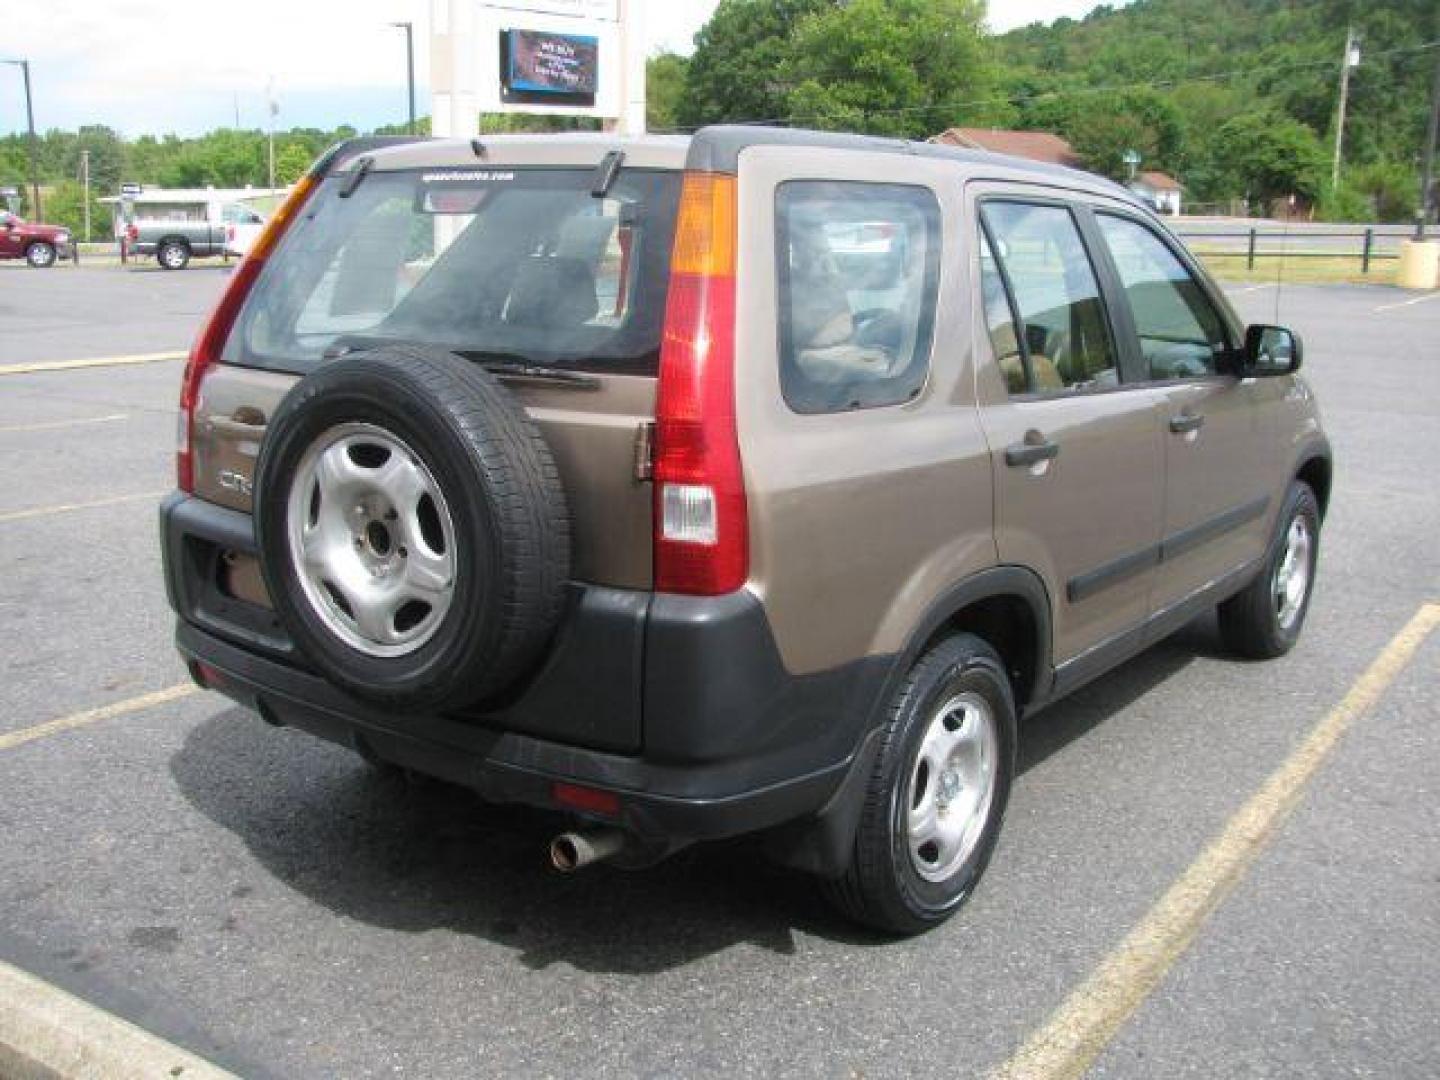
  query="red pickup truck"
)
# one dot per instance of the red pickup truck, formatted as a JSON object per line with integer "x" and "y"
{"x": 39, "y": 245}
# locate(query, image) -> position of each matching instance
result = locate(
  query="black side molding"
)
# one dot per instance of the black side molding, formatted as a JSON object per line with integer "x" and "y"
{"x": 1086, "y": 585}
{"x": 1188, "y": 539}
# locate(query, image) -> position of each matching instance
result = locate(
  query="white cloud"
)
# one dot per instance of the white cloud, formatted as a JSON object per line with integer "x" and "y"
{"x": 189, "y": 65}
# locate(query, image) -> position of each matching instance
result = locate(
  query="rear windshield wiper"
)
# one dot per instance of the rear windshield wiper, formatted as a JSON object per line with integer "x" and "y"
{"x": 514, "y": 369}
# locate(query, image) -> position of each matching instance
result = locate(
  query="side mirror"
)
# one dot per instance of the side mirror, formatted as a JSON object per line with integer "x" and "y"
{"x": 1270, "y": 350}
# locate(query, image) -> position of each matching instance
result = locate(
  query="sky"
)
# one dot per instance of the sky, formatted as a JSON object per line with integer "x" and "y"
{"x": 188, "y": 66}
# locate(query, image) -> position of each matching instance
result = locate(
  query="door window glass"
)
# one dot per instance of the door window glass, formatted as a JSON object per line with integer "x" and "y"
{"x": 1181, "y": 334}
{"x": 1064, "y": 334}
{"x": 858, "y": 268}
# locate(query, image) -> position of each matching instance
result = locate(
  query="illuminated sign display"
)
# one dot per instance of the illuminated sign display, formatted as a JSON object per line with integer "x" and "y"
{"x": 537, "y": 65}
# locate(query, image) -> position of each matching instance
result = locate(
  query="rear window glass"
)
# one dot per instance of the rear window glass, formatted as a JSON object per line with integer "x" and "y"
{"x": 522, "y": 264}
{"x": 858, "y": 267}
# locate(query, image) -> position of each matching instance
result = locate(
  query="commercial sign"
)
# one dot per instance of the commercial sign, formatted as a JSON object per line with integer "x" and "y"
{"x": 550, "y": 66}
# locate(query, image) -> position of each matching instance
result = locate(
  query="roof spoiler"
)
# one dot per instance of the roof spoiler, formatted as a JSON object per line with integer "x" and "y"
{"x": 342, "y": 153}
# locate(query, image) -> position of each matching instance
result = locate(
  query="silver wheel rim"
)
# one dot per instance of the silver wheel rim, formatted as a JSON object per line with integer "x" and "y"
{"x": 371, "y": 540}
{"x": 952, "y": 785}
{"x": 1292, "y": 573}
{"x": 174, "y": 256}
{"x": 40, "y": 255}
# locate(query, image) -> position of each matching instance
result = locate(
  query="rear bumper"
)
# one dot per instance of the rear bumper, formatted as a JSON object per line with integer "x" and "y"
{"x": 703, "y": 733}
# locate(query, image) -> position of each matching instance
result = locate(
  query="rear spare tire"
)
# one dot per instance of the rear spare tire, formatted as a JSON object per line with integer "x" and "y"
{"x": 412, "y": 528}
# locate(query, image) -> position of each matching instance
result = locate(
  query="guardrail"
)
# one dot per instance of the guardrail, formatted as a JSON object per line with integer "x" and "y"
{"x": 1364, "y": 244}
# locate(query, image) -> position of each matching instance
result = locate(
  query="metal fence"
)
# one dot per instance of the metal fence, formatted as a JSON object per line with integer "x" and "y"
{"x": 1367, "y": 245}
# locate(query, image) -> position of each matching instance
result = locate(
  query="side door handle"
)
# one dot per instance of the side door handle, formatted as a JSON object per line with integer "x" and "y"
{"x": 1026, "y": 453}
{"x": 1186, "y": 422}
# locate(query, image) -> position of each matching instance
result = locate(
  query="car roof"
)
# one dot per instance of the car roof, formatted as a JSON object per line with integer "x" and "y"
{"x": 710, "y": 149}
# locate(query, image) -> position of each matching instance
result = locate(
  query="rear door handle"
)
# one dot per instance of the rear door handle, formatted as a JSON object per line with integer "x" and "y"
{"x": 1186, "y": 422}
{"x": 1030, "y": 453}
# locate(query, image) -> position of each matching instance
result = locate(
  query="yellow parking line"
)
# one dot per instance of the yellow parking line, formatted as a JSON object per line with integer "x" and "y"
{"x": 10, "y": 740}
{"x": 55, "y": 425}
{"x": 65, "y": 508}
{"x": 94, "y": 361}
{"x": 1089, "y": 1018}
{"x": 45, "y": 1031}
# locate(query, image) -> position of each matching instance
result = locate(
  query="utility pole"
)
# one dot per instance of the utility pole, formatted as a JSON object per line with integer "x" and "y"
{"x": 1350, "y": 59}
{"x": 35, "y": 209}
{"x": 272, "y": 109}
{"x": 409, "y": 65}
{"x": 85, "y": 179}
{"x": 1427, "y": 211}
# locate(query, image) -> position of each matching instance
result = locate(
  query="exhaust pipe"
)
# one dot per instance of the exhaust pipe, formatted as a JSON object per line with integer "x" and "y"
{"x": 573, "y": 851}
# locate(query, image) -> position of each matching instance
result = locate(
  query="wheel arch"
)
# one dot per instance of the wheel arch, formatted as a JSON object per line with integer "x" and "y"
{"x": 1008, "y": 607}
{"x": 1317, "y": 470}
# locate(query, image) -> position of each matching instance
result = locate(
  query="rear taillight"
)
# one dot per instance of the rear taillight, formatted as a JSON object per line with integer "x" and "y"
{"x": 133, "y": 232}
{"x": 205, "y": 353}
{"x": 701, "y": 527}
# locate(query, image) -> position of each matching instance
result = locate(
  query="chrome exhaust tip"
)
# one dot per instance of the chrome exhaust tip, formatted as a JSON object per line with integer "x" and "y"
{"x": 574, "y": 851}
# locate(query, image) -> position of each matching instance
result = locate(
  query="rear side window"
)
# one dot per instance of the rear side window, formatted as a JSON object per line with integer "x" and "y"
{"x": 1181, "y": 333}
{"x": 496, "y": 264}
{"x": 858, "y": 267}
{"x": 1064, "y": 336}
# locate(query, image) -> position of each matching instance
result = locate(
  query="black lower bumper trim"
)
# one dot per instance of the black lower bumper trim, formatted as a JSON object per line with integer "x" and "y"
{"x": 669, "y": 805}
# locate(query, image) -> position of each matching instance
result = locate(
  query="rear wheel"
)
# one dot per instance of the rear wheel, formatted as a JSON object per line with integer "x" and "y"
{"x": 937, "y": 793}
{"x": 173, "y": 255}
{"x": 40, "y": 254}
{"x": 1264, "y": 620}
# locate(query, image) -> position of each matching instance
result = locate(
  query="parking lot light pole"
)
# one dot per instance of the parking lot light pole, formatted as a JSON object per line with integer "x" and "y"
{"x": 409, "y": 29}
{"x": 35, "y": 211}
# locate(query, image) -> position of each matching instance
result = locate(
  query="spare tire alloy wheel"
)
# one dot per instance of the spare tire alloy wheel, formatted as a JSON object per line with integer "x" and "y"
{"x": 411, "y": 528}
{"x": 372, "y": 540}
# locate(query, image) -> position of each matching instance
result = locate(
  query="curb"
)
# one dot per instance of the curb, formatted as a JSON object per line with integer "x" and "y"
{"x": 48, "y": 1034}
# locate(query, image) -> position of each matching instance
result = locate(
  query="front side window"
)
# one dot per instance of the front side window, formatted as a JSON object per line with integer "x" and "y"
{"x": 859, "y": 268}
{"x": 1181, "y": 334}
{"x": 1064, "y": 334}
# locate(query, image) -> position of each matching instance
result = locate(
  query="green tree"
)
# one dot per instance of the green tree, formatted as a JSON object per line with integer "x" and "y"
{"x": 892, "y": 67}
{"x": 291, "y": 161}
{"x": 664, "y": 90}
{"x": 736, "y": 71}
{"x": 1270, "y": 156}
{"x": 1104, "y": 127}
{"x": 65, "y": 205}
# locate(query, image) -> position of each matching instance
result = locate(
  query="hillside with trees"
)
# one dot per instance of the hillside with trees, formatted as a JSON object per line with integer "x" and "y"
{"x": 1237, "y": 98}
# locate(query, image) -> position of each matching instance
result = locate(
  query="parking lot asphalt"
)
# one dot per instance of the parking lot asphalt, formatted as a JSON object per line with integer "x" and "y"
{"x": 271, "y": 903}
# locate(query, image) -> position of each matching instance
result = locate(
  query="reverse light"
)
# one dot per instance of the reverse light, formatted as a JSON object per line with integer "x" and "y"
{"x": 701, "y": 523}
{"x": 205, "y": 353}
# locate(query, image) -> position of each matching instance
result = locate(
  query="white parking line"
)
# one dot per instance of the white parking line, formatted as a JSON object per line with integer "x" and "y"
{"x": 1406, "y": 303}
{"x": 45, "y": 1031}
{"x": 1251, "y": 288}
{"x": 1089, "y": 1018}
{"x": 94, "y": 361}
{"x": 65, "y": 508}
{"x": 55, "y": 425}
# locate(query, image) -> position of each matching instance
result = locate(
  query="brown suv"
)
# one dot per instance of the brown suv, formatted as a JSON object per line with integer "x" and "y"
{"x": 752, "y": 482}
